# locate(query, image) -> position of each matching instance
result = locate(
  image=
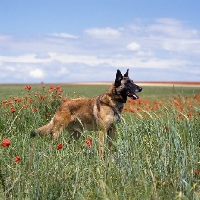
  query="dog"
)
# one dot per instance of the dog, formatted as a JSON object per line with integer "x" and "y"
{"x": 97, "y": 113}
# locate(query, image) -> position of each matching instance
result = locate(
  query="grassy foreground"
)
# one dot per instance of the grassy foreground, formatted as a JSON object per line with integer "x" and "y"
{"x": 156, "y": 152}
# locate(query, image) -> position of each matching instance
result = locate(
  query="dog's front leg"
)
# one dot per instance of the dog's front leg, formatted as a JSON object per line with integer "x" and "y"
{"x": 110, "y": 136}
{"x": 101, "y": 143}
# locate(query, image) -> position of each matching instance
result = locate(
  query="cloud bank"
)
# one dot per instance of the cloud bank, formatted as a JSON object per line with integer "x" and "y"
{"x": 160, "y": 50}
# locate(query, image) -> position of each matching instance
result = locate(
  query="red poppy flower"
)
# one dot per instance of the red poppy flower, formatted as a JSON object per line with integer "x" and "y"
{"x": 4, "y": 102}
{"x": 60, "y": 146}
{"x": 132, "y": 110}
{"x": 64, "y": 99}
{"x": 42, "y": 97}
{"x": 5, "y": 143}
{"x": 88, "y": 142}
{"x": 27, "y": 87}
{"x": 52, "y": 88}
{"x": 17, "y": 159}
{"x": 166, "y": 128}
{"x": 196, "y": 172}
{"x": 59, "y": 91}
{"x": 35, "y": 109}
{"x": 10, "y": 101}
{"x": 15, "y": 98}
{"x": 12, "y": 109}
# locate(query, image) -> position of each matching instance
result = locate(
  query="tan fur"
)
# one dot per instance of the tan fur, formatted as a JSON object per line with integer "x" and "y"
{"x": 96, "y": 113}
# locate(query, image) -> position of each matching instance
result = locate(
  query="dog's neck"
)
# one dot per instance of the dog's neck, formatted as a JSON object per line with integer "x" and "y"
{"x": 113, "y": 99}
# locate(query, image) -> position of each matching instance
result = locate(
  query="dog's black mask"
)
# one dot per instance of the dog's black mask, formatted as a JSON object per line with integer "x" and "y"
{"x": 126, "y": 87}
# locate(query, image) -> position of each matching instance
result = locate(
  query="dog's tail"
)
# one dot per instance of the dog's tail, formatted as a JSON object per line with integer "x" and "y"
{"x": 33, "y": 133}
{"x": 43, "y": 130}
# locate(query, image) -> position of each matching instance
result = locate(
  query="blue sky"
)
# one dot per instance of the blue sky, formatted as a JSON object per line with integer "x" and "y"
{"x": 88, "y": 40}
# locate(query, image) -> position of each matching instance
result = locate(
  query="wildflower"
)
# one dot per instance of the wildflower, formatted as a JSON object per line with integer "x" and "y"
{"x": 51, "y": 88}
{"x": 147, "y": 107}
{"x": 19, "y": 100}
{"x": 5, "y": 143}
{"x": 27, "y": 87}
{"x": 59, "y": 91}
{"x": 12, "y": 109}
{"x": 60, "y": 146}
{"x": 64, "y": 99}
{"x": 4, "y": 102}
{"x": 138, "y": 109}
{"x": 191, "y": 106}
{"x": 15, "y": 98}
{"x": 26, "y": 105}
{"x": 179, "y": 115}
{"x": 196, "y": 172}
{"x": 35, "y": 109}
{"x": 25, "y": 98}
{"x": 10, "y": 102}
{"x": 42, "y": 97}
{"x": 31, "y": 100}
{"x": 17, "y": 159}
{"x": 166, "y": 128}
{"x": 132, "y": 110}
{"x": 88, "y": 142}
{"x": 125, "y": 110}
{"x": 189, "y": 115}
{"x": 129, "y": 101}
{"x": 196, "y": 96}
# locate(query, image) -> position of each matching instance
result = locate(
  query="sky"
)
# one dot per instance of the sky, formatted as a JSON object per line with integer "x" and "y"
{"x": 58, "y": 41}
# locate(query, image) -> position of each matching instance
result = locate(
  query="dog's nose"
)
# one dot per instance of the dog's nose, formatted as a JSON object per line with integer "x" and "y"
{"x": 139, "y": 89}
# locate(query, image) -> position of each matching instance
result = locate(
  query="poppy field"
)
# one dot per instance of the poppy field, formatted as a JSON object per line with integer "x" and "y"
{"x": 155, "y": 155}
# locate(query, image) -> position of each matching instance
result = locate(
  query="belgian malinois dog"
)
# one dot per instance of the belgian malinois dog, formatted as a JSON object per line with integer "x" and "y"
{"x": 96, "y": 113}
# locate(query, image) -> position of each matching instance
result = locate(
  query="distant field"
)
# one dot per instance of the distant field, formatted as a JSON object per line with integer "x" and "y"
{"x": 150, "y": 90}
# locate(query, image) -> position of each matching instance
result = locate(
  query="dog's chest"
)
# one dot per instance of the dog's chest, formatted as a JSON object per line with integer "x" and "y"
{"x": 117, "y": 112}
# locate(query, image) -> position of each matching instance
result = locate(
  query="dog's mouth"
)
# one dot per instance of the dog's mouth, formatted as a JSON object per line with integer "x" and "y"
{"x": 132, "y": 95}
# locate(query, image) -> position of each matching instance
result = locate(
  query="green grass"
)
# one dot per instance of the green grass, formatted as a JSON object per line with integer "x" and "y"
{"x": 10, "y": 90}
{"x": 155, "y": 156}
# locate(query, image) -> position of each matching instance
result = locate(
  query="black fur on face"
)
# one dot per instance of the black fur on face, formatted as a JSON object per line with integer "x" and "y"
{"x": 126, "y": 87}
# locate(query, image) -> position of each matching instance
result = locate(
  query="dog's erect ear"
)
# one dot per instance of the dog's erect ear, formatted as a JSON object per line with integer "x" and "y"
{"x": 118, "y": 79}
{"x": 126, "y": 74}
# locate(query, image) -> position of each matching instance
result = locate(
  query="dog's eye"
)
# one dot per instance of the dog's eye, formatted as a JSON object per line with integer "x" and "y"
{"x": 129, "y": 81}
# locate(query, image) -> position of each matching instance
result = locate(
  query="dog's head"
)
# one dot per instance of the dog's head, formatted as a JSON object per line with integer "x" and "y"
{"x": 126, "y": 87}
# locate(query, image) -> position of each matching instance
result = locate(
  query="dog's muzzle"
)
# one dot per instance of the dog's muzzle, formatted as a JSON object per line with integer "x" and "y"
{"x": 133, "y": 95}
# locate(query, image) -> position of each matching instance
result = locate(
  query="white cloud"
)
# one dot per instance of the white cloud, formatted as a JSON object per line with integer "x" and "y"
{"x": 104, "y": 33}
{"x": 173, "y": 28}
{"x": 36, "y": 73}
{"x": 134, "y": 46}
{"x": 63, "y": 35}
{"x": 5, "y": 37}
{"x": 26, "y": 58}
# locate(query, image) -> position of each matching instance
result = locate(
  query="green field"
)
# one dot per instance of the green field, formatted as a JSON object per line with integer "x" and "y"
{"x": 8, "y": 91}
{"x": 156, "y": 152}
